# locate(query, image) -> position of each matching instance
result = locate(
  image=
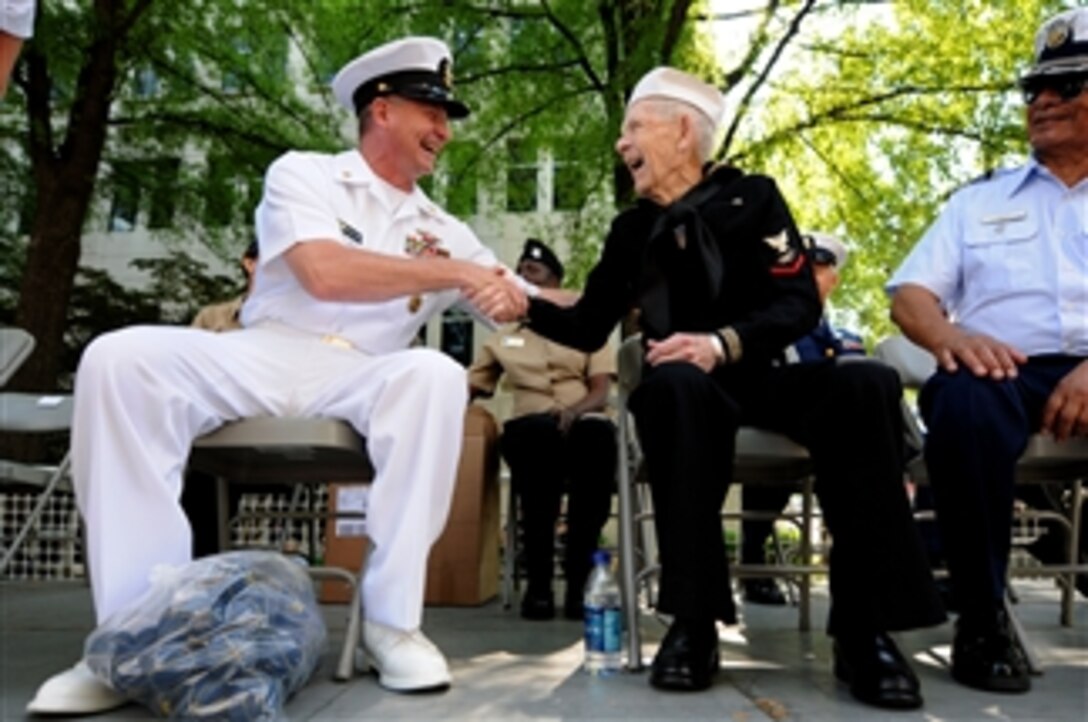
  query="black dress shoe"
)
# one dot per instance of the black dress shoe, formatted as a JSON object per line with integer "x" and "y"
{"x": 876, "y": 672}
{"x": 537, "y": 605}
{"x": 688, "y": 658}
{"x": 988, "y": 658}
{"x": 763, "y": 591}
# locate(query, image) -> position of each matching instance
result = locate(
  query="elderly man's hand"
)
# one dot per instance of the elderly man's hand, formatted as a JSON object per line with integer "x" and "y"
{"x": 981, "y": 354}
{"x": 1066, "y": 411}
{"x": 494, "y": 294}
{"x": 694, "y": 348}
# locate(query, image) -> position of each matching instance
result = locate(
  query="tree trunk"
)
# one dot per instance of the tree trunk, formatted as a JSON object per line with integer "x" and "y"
{"x": 64, "y": 182}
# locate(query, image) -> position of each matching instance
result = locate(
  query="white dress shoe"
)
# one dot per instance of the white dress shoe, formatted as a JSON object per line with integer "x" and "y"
{"x": 406, "y": 661}
{"x": 75, "y": 691}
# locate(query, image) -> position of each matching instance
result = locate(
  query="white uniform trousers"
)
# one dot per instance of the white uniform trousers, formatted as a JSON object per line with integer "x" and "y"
{"x": 144, "y": 393}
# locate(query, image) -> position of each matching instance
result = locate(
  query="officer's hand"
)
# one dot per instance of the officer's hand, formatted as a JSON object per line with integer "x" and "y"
{"x": 982, "y": 355}
{"x": 1066, "y": 411}
{"x": 565, "y": 418}
{"x": 495, "y": 295}
{"x": 694, "y": 348}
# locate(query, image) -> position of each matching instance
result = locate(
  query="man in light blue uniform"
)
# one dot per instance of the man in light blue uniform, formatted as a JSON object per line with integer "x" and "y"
{"x": 997, "y": 291}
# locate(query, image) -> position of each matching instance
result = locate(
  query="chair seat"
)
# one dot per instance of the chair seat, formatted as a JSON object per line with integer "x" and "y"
{"x": 24, "y": 413}
{"x": 283, "y": 449}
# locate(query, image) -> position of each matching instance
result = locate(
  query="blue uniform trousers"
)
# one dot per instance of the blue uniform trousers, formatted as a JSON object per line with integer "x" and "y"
{"x": 977, "y": 428}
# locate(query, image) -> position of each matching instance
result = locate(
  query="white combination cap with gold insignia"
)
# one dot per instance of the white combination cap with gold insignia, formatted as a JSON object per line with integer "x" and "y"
{"x": 419, "y": 68}
{"x": 1061, "y": 45}
{"x": 673, "y": 84}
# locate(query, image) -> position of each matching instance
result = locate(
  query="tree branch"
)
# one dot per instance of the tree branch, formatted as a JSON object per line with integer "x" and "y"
{"x": 780, "y": 47}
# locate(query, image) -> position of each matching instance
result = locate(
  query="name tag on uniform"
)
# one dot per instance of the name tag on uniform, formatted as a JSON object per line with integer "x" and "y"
{"x": 513, "y": 342}
{"x": 1004, "y": 218}
{"x": 350, "y": 232}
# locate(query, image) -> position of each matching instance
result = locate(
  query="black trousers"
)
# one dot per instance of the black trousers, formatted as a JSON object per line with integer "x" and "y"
{"x": 543, "y": 464}
{"x": 849, "y": 418}
{"x": 976, "y": 430}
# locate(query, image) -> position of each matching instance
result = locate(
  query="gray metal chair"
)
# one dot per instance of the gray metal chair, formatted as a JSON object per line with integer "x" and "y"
{"x": 29, "y": 413}
{"x": 15, "y": 346}
{"x": 290, "y": 451}
{"x": 761, "y": 457}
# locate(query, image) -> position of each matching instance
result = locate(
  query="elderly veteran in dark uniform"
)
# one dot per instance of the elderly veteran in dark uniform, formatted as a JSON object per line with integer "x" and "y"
{"x": 557, "y": 439}
{"x": 354, "y": 258}
{"x": 997, "y": 291}
{"x": 714, "y": 263}
{"x": 827, "y": 254}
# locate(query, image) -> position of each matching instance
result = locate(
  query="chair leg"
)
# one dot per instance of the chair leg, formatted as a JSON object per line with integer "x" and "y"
{"x": 627, "y": 548}
{"x": 39, "y": 507}
{"x": 805, "y": 591}
{"x": 510, "y": 550}
{"x": 1020, "y": 639}
{"x": 1073, "y": 550}
{"x": 222, "y": 510}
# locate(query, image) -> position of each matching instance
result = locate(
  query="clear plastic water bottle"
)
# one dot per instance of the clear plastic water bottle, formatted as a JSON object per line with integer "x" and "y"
{"x": 604, "y": 619}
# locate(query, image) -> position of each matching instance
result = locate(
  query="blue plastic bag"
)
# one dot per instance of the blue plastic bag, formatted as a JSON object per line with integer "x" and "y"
{"x": 226, "y": 637}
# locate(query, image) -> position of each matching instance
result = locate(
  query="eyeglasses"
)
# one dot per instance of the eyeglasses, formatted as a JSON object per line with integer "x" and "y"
{"x": 1066, "y": 86}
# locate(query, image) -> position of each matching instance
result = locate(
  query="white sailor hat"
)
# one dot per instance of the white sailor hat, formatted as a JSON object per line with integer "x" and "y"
{"x": 420, "y": 68}
{"x": 826, "y": 249}
{"x": 673, "y": 84}
{"x": 1061, "y": 45}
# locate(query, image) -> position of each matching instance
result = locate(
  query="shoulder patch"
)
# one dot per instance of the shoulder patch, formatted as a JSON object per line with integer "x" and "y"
{"x": 788, "y": 260}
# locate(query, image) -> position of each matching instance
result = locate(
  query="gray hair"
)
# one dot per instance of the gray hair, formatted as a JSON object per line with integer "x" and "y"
{"x": 703, "y": 126}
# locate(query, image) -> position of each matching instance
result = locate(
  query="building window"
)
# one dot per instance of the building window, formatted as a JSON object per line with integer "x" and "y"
{"x": 162, "y": 176}
{"x": 146, "y": 82}
{"x": 521, "y": 176}
{"x": 126, "y": 198}
{"x": 460, "y": 178}
{"x": 569, "y": 185}
{"x": 220, "y": 193}
{"x": 457, "y": 336}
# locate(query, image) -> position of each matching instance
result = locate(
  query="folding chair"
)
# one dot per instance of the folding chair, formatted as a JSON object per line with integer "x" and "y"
{"x": 761, "y": 457}
{"x": 1044, "y": 461}
{"x": 290, "y": 451}
{"x": 28, "y": 413}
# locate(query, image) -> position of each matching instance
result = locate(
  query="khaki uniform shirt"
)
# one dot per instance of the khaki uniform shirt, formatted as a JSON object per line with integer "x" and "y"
{"x": 543, "y": 374}
{"x": 220, "y": 316}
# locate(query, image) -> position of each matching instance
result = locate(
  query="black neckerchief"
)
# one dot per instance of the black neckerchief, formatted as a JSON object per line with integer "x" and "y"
{"x": 681, "y": 225}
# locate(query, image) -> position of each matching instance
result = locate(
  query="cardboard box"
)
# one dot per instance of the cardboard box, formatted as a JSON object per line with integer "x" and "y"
{"x": 464, "y": 565}
{"x": 346, "y": 543}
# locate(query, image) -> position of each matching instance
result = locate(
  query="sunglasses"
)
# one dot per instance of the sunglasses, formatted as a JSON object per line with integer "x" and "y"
{"x": 823, "y": 257}
{"x": 1066, "y": 86}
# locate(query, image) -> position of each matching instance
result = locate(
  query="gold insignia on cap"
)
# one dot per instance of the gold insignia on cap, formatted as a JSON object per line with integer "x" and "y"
{"x": 445, "y": 71}
{"x": 1057, "y": 34}
{"x": 384, "y": 87}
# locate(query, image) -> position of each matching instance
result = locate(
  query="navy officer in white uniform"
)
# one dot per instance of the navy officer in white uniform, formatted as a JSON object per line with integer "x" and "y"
{"x": 996, "y": 290}
{"x": 354, "y": 259}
